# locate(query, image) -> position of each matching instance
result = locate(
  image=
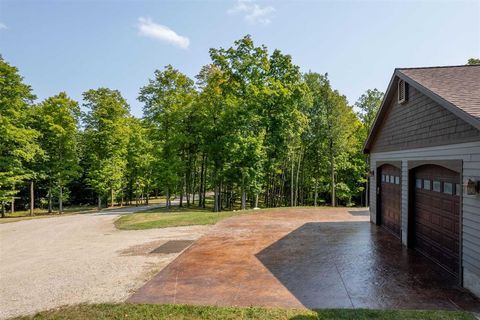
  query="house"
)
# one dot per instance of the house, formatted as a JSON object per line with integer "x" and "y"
{"x": 424, "y": 152}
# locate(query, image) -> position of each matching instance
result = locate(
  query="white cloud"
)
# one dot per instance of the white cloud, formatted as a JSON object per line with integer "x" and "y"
{"x": 253, "y": 12}
{"x": 2, "y": 26}
{"x": 148, "y": 28}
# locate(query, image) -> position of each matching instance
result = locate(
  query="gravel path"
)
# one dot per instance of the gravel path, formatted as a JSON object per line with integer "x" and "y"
{"x": 46, "y": 263}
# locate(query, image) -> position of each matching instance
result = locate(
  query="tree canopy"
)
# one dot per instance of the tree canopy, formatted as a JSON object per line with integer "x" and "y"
{"x": 251, "y": 128}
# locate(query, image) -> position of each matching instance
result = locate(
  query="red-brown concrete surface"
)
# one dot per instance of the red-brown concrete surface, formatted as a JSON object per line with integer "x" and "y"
{"x": 304, "y": 257}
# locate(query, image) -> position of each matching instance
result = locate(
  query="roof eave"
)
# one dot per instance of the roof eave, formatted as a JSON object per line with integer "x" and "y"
{"x": 380, "y": 113}
{"x": 432, "y": 95}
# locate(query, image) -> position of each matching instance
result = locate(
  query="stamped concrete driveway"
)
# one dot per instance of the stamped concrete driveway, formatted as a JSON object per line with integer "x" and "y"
{"x": 46, "y": 263}
{"x": 315, "y": 258}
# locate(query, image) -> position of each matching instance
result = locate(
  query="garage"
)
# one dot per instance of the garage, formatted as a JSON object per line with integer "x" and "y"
{"x": 436, "y": 227}
{"x": 390, "y": 195}
{"x": 427, "y": 132}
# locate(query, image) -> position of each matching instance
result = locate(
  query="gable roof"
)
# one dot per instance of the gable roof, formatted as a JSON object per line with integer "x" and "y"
{"x": 456, "y": 88}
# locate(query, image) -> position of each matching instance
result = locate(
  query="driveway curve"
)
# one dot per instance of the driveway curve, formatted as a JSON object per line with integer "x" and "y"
{"x": 50, "y": 262}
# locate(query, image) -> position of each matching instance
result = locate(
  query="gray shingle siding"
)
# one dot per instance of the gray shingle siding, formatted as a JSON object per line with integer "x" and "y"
{"x": 421, "y": 122}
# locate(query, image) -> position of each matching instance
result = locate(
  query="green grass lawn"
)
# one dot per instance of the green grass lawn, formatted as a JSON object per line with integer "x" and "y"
{"x": 173, "y": 217}
{"x": 185, "y": 312}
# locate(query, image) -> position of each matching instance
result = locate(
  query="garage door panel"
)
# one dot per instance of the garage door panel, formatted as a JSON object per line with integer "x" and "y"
{"x": 390, "y": 195}
{"x": 436, "y": 231}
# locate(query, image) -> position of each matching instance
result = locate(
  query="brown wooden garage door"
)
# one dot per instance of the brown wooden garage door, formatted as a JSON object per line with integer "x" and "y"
{"x": 437, "y": 215}
{"x": 390, "y": 197}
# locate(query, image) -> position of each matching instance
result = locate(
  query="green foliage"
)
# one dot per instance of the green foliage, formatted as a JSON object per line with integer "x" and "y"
{"x": 18, "y": 140}
{"x": 168, "y": 100}
{"x": 252, "y": 128}
{"x": 473, "y": 61}
{"x": 57, "y": 119}
{"x": 368, "y": 105}
{"x": 106, "y": 138}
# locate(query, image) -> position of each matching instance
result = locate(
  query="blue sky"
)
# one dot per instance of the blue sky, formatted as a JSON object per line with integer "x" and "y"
{"x": 73, "y": 46}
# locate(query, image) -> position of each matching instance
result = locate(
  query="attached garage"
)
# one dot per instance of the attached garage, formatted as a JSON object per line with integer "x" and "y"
{"x": 424, "y": 150}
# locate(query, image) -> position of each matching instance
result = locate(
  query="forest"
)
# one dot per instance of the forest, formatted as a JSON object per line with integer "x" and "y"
{"x": 251, "y": 129}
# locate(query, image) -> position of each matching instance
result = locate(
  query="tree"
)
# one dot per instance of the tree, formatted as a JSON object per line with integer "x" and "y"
{"x": 368, "y": 105}
{"x": 473, "y": 61}
{"x": 18, "y": 140}
{"x": 140, "y": 160}
{"x": 168, "y": 99}
{"x": 57, "y": 119}
{"x": 106, "y": 137}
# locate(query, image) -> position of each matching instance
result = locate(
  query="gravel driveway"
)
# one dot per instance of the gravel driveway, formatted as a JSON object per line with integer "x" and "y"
{"x": 46, "y": 263}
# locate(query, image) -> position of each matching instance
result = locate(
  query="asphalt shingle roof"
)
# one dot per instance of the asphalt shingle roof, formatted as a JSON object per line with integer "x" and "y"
{"x": 459, "y": 85}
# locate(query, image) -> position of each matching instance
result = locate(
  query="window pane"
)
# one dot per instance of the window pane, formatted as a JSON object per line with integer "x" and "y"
{"x": 383, "y": 177}
{"x": 436, "y": 186}
{"x": 447, "y": 188}
{"x": 392, "y": 179}
{"x": 427, "y": 185}
{"x": 397, "y": 180}
{"x": 458, "y": 189}
{"x": 418, "y": 183}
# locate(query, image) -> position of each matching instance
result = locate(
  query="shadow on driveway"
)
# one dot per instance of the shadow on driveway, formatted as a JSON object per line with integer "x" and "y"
{"x": 359, "y": 265}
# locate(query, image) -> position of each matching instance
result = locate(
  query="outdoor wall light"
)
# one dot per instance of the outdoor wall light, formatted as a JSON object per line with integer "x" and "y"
{"x": 473, "y": 187}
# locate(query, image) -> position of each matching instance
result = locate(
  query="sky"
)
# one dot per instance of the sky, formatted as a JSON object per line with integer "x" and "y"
{"x": 74, "y": 46}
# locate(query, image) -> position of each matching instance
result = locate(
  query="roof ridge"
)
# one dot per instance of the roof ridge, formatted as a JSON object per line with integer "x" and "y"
{"x": 440, "y": 67}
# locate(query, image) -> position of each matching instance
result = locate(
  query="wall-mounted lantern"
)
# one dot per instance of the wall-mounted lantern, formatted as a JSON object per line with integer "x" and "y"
{"x": 473, "y": 187}
{"x": 372, "y": 173}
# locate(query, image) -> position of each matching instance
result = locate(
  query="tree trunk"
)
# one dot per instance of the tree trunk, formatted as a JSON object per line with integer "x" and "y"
{"x": 50, "y": 200}
{"x": 3, "y": 209}
{"x": 32, "y": 199}
{"x": 216, "y": 199}
{"x": 194, "y": 186}
{"x": 205, "y": 181}
{"x": 111, "y": 194}
{"x": 256, "y": 200}
{"x": 167, "y": 201}
{"x": 296, "y": 186}
{"x": 244, "y": 195}
{"x": 332, "y": 169}
{"x": 316, "y": 195}
{"x": 99, "y": 202}
{"x": 181, "y": 193}
{"x": 200, "y": 191}
{"x": 60, "y": 200}
{"x": 291, "y": 183}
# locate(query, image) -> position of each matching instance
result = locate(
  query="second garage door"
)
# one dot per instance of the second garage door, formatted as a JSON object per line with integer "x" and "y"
{"x": 436, "y": 230}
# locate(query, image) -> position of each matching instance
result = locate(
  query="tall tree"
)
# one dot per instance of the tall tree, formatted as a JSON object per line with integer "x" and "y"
{"x": 57, "y": 118}
{"x": 106, "y": 137}
{"x": 18, "y": 140}
{"x": 168, "y": 98}
{"x": 367, "y": 105}
{"x": 140, "y": 161}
